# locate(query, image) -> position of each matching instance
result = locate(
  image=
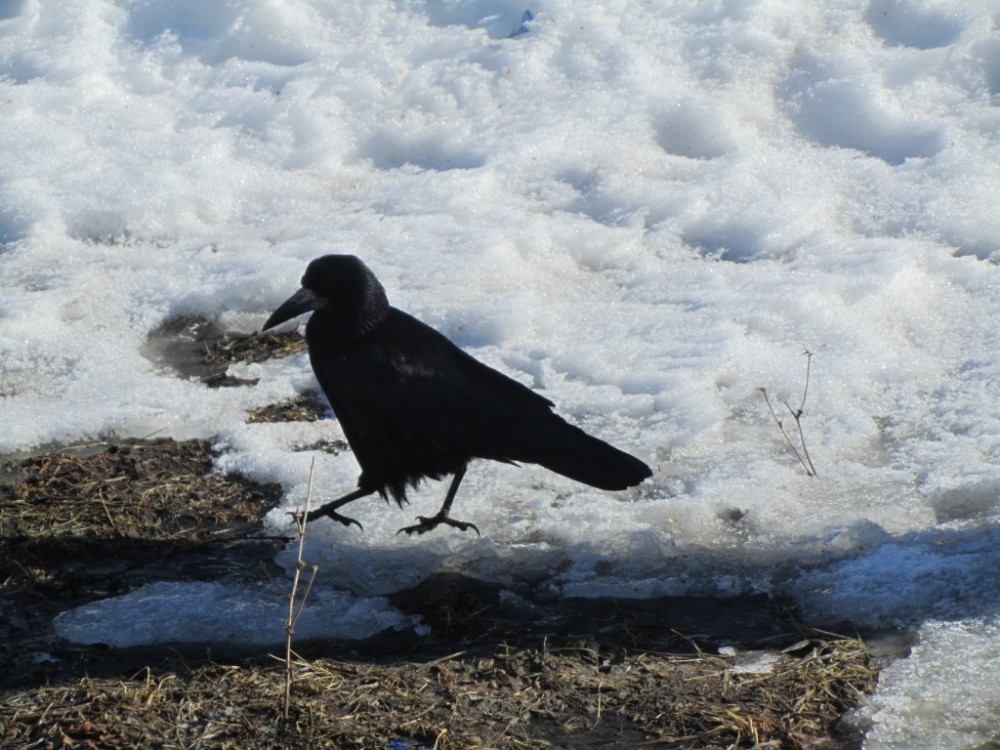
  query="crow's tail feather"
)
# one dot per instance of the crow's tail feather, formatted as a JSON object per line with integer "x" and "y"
{"x": 570, "y": 451}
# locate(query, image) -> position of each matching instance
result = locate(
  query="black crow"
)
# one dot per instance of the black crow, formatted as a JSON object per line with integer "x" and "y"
{"x": 414, "y": 405}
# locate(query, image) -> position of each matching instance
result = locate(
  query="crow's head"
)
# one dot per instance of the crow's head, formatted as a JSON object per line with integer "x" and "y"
{"x": 342, "y": 287}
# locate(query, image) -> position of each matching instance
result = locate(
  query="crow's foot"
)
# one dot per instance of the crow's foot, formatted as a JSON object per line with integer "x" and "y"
{"x": 332, "y": 513}
{"x": 429, "y": 523}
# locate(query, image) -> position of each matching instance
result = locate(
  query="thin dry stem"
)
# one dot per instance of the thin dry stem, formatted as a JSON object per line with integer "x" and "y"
{"x": 294, "y": 612}
{"x": 804, "y": 458}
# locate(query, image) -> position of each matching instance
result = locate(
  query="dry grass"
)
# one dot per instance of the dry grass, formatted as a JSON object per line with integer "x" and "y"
{"x": 255, "y": 347}
{"x": 511, "y": 698}
{"x": 221, "y": 352}
{"x": 161, "y": 489}
{"x": 308, "y": 407}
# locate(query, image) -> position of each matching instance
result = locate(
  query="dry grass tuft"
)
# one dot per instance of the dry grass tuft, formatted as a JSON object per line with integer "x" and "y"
{"x": 308, "y": 407}
{"x": 220, "y": 352}
{"x": 255, "y": 347}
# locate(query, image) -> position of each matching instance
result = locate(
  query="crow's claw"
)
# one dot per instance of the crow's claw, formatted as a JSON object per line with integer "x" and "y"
{"x": 321, "y": 512}
{"x": 429, "y": 523}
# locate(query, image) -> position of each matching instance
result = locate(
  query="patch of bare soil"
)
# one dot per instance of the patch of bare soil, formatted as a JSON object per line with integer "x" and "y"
{"x": 195, "y": 347}
{"x": 506, "y": 669}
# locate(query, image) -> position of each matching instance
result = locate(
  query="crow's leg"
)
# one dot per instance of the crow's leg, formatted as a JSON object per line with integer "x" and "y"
{"x": 432, "y": 522}
{"x": 330, "y": 509}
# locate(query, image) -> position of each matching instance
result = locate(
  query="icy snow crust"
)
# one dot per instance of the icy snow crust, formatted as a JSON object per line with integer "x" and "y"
{"x": 643, "y": 210}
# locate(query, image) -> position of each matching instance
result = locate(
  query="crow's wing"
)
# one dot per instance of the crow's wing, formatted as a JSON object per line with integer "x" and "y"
{"x": 407, "y": 379}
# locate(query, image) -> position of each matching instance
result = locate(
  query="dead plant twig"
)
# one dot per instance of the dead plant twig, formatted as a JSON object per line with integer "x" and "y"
{"x": 296, "y": 605}
{"x": 804, "y": 458}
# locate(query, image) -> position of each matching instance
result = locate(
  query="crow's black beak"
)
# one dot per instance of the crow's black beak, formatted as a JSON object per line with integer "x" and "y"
{"x": 302, "y": 301}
